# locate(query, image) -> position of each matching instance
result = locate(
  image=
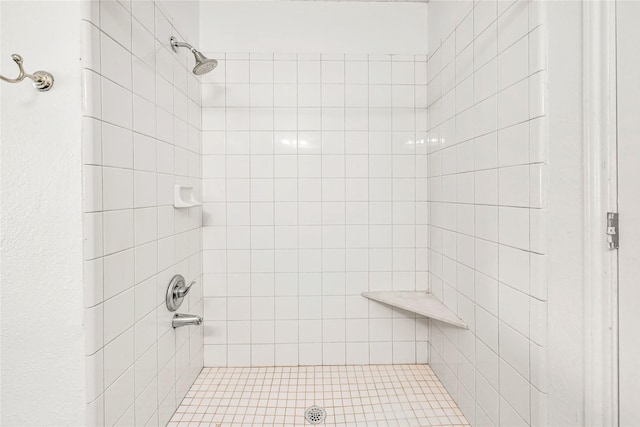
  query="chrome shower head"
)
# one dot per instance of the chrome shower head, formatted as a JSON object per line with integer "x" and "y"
{"x": 203, "y": 64}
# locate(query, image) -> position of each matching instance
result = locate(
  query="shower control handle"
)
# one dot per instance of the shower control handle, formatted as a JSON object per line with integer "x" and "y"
{"x": 184, "y": 290}
{"x": 177, "y": 291}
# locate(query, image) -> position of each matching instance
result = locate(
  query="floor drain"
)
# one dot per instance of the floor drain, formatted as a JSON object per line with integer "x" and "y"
{"x": 315, "y": 414}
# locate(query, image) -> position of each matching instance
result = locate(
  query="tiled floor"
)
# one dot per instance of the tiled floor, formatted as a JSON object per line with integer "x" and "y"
{"x": 372, "y": 395}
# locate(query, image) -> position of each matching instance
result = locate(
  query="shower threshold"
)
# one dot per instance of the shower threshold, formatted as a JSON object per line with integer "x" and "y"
{"x": 359, "y": 395}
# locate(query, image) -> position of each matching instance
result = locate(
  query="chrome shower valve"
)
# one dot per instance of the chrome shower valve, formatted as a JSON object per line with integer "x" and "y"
{"x": 177, "y": 291}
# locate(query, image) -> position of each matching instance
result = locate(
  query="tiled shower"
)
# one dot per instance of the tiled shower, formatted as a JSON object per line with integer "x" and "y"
{"x": 141, "y": 136}
{"x": 487, "y": 218}
{"x": 321, "y": 176}
{"x": 314, "y": 190}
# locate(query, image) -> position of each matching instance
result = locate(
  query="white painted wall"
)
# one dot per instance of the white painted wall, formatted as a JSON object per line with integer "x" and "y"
{"x": 566, "y": 369}
{"x": 41, "y": 226}
{"x": 313, "y": 27}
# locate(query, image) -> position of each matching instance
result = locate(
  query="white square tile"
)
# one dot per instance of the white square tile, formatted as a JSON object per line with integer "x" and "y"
{"x": 356, "y": 95}
{"x": 514, "y": 349}
{"x": 118, "y": 231}
{"x": 119, "y": 397}
{"x": 284, "y": 119}
{"x": 144, "y": 116}
{"x": 379, "y": 72}
{"x": 309, "y": 72}
{"x": 261, "y": 71}
{"x": 237, "y": 95}
{"x": 145, "y": 189}
{"x": 237, "y": 71}
{"x": 513, "y": 63}
{"x": 516, "y": 392}
{"x": 402, "y": 73}
{"x": 380, "y": 352}
{"x": 116, "y": 104}
{"x": 514, "y": 227}
{"x": 514, "y": 309}
{"x": 356, "y": 72}
{"x": 142, "y": 43}
{"x": 285, "y": 71}
{"x": 118, "y": 315}
{"x": 333, "y": 71}
{"x": 118, "y": 357}
{"x": 514, "y": 186}
{"x": 117, "y": 188}
{"x": 487, "y": 328}
{"x": 115, "y": 20}
{"x": 239, "y": 355}
{"x": 380, "y": 95}
{"x": 511, "y": 109}
{"x": 333, "y": 353}
{"x": 263, "y": 119}
{"x": 238, "y": 118}
{"x": 262, "y": 95}
{"x": 116, "y": 62}
{"x": 285, "y": 95}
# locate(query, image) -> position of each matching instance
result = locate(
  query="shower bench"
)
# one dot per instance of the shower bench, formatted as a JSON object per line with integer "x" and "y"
{"x": 422, "y": 303}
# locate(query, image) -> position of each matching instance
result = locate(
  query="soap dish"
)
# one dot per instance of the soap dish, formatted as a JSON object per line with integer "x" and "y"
{"x": 184, "y": 197}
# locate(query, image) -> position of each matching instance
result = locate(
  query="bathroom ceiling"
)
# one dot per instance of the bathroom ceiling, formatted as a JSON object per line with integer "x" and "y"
{"x": 369, "y": 1}
{"x": 378, "y": 1}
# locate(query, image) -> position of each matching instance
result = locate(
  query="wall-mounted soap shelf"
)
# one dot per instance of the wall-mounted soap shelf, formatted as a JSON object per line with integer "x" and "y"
{"x": 184, "y": 197}
{"x": 422, "y": 303}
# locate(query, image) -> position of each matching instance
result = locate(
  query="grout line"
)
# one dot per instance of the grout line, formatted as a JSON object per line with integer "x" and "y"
{"x": 226, "y": 231}
{"x": 322, "y": 248}
{"x": 344, "y": 150}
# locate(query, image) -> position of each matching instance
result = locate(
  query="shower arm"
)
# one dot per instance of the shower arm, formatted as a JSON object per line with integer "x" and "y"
{"x": 175, "y": 44}
{"x": 203, "y": 64}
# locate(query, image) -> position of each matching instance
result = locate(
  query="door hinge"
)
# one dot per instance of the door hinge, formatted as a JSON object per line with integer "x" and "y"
{"x": 613, "y": 232}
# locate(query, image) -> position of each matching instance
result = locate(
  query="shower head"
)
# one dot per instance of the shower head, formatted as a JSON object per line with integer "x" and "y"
{"x": 203, "y": 64}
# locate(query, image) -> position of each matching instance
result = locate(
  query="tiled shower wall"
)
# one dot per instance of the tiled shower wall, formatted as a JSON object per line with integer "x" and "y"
{"x": 487, "y": 199}
{"x": 314, "y": 183}
{"x": 141, "y": 135}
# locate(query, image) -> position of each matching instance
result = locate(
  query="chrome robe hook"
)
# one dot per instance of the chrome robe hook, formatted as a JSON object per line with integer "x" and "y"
{"x": 42, "y": 80}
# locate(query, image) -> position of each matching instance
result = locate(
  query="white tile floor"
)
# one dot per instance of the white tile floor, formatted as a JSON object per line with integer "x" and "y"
{"x": 371, "y": 395}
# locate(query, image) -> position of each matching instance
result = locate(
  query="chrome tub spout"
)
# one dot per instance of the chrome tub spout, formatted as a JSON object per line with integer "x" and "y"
{"x": 186, "y": 320}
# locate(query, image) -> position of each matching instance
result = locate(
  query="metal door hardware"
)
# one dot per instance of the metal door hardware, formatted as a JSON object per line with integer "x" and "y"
{"x": 613, "y": 232}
